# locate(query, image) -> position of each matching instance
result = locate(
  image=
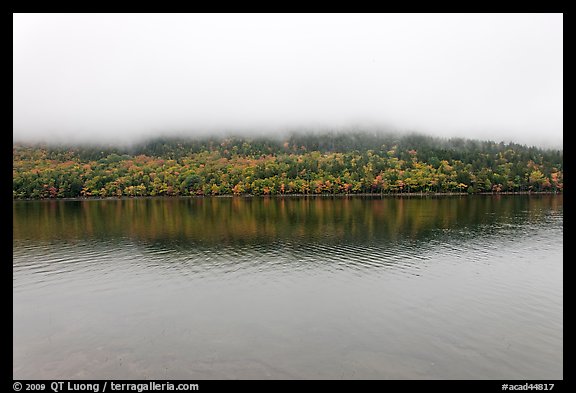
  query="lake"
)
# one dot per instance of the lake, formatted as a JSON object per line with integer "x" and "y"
{"x": 460, "y": 287}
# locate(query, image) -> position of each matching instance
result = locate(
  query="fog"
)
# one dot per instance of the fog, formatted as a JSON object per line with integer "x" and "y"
{"x": 124, "y": 77}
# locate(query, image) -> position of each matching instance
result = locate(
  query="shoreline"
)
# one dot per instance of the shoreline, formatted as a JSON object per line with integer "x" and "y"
{"x": 340, "y": 195}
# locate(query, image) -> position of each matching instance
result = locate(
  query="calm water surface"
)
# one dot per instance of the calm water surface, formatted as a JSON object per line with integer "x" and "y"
{"x": 294, "y": 288}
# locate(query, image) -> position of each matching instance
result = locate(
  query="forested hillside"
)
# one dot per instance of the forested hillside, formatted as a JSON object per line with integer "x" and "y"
{"x": 328, "y": 163}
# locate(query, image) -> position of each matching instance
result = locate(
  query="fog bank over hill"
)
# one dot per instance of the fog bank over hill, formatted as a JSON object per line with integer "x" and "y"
{"x": 121, "y": 78}
{"x": 276, "y": 136}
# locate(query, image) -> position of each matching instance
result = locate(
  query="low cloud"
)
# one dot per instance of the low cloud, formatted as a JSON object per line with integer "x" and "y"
{"x": 123, "y": 77}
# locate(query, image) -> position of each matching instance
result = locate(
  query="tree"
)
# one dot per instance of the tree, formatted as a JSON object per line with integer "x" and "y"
{"x": 332, "y": 163}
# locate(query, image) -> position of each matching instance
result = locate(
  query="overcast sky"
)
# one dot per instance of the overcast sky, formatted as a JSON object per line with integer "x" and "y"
{"x": 118, "y": 77}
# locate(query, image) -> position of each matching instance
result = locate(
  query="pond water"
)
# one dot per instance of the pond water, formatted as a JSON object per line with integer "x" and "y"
{"x": 463, "y": 287}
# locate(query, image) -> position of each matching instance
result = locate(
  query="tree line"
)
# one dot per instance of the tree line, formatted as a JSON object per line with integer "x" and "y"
{"x": 316, "y": 163}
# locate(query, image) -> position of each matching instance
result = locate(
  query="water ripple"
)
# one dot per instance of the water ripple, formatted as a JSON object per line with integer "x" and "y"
{"x": 481, "y": 300}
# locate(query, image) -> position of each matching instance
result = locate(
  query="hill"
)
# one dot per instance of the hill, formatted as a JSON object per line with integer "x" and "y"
{"x": 317, "y": 163}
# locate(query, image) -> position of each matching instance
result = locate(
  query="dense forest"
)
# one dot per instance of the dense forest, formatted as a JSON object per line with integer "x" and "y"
{"x": 316, "y": 163}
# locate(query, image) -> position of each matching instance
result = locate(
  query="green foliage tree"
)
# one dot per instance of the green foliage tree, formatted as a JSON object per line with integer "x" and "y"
{"x": 328, "y": 163}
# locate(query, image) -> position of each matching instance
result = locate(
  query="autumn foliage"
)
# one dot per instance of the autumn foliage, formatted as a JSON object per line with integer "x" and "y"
{"x": 301, "y": 164}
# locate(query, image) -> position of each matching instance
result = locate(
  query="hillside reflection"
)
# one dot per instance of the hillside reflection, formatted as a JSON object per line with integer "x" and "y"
{"x": 217, "y": 221}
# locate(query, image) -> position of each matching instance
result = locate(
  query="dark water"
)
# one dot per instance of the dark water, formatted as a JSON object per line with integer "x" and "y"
{"x": 295, "y": 288}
